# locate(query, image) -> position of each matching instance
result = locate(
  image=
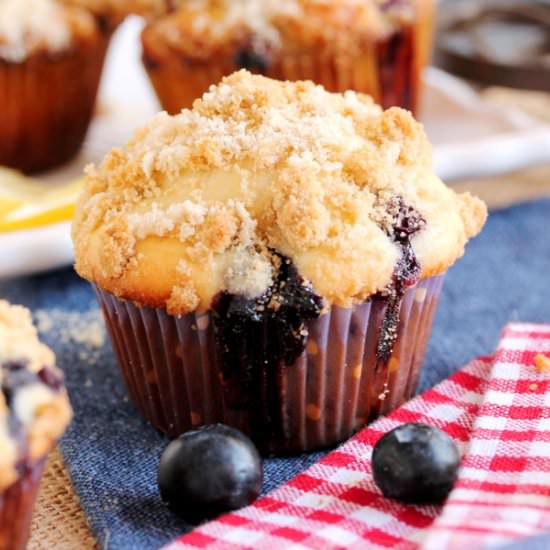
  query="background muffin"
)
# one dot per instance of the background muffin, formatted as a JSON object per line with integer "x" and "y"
{"x": 287, "y": 245}
{"x": 112, "y": 12}
{"x": 51, "y": 56}
{"x": 34, "y": 412}
{"x": 371, "y": 46}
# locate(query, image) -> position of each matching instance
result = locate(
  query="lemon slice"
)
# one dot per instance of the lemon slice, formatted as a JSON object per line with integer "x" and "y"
{"x": 26, "y": 203}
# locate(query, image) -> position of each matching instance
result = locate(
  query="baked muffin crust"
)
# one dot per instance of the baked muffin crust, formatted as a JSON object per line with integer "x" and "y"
{"x": 204, "y": 201}
{"x": 121, "y": 8}
{"x": 30, "y": 26}
{"x": 34, "y": 407}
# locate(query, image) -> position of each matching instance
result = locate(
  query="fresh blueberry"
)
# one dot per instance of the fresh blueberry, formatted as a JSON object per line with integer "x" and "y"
{"x": 51, "y": 378}
{"x": 209, "y": 471}
{"x": 250, "y": 60}
{"x": 12, "y": 366}
{"x": 416, "y": 463}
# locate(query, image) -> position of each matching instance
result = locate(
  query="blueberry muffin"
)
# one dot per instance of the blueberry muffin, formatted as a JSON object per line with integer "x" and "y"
{"x": 271, "y": 259}
{"x": 377, "y": 47}
{"x": 34, "y": 413}
{"x": 51, "y": 57}
{"x": 111, "y": 12}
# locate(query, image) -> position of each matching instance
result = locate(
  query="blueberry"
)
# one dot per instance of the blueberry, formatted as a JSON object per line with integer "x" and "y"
{"x": 16, "y": 376}
{"x": 416, "y": 463}
{"x": 51, "y": 378}
{"x": 250, "y": 60}
{"x": 209, "y": 471}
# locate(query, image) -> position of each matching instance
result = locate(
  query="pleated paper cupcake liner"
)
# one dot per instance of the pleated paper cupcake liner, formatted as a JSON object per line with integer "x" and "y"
{"x": 174, "y": 372}
{"x": 47, "y": 105}
{"x": 16, "y": 507}
{"x": 386, "y": 70}
{"x": 179, "y": 82}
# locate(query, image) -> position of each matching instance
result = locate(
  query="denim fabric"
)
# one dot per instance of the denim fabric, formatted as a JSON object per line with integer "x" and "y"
{"x": 541, "y": 542}
{"x": 112, "y": 455}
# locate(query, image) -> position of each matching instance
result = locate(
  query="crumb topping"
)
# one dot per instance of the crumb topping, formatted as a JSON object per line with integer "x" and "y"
{"x": 205, "y": 201}
{"x": 34, "y": 408}
{"x": 248, "y": 273}
{"x": 542, "y": 362}
{"x": 30, "y": 25}
{"x": 122, "y": 8}
{"x": 19, "y": 339}
{"x": 265, "y": 25}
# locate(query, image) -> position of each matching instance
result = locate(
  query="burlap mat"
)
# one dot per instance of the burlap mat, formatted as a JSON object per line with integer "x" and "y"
{"x": 59, "y": 522}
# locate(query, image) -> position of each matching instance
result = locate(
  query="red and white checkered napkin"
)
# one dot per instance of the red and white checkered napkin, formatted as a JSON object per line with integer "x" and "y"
{"x": 496, "y": 408}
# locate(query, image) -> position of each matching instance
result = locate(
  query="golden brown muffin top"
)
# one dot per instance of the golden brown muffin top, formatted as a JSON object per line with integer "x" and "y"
{"x": 121, "y": 8}
{"x": 29, "y": 26}
{"x": 204, "y": 201}
{"x": 199, "y": 28}
{"x": 34, "y": 407}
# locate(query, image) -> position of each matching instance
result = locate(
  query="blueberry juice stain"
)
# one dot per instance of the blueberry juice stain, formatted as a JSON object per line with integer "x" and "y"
{"x": 406, "y": 222}
{"x": 257, "y": 340}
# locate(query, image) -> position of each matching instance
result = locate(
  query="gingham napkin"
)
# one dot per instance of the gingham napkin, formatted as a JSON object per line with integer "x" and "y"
{"x": 496, "y": 408}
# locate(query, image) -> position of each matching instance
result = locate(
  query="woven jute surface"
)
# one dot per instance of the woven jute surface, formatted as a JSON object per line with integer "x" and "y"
{"x": 58, "y": 519}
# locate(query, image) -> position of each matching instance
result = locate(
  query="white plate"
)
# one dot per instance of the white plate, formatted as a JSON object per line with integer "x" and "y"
{"x": 473, "y": 137}
{"x": 35, "y": 250}
{"x": 470, "y": 136}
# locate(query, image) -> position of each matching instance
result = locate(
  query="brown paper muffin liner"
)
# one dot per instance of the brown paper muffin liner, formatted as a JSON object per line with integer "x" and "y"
{"x": 173, "y": 371}
{"x": 47, "y": 104}
{"x": 387, "y": 69}
{"x": 179, "y": 81}
{"x": 16, "y": 507}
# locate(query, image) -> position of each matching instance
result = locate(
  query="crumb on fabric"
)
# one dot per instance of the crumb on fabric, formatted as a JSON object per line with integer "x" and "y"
{"x": 542, "y": 362}
{"x": 85, "y": 330}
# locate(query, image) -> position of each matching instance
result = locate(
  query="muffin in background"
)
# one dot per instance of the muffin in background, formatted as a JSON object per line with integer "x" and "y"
{"x": 111, "y": 12}
{"x": 51, "y": 58}
{"x": 378, "y": 47}
{"x": 271, "y": 259}
{"x": 34, "y": 413}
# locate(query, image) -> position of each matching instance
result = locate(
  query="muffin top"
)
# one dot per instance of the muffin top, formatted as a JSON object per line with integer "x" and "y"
{"x": 34, "y": 408}
{"x": 121, "y": 8}
{"x": 29, "y": 26}
{"x": 200, "y": 28}
{"x": 210, "y": 200}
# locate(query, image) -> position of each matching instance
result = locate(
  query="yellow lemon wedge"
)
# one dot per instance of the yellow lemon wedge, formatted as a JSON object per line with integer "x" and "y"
{"x": 26, "y": 203}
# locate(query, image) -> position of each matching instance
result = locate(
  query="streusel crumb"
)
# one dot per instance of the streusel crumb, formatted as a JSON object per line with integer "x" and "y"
{"x": 19, "y": 339}
{"x": 204, "y": 201}
{"x": 29, "y": 26}
{"x": 542, "y": 362}
{"x": 122, "y": 8}
{"x": 268, "y": 25}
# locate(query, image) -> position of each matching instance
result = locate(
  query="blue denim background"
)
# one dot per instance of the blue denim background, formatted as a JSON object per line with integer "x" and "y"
{"x": 112, "y": 455}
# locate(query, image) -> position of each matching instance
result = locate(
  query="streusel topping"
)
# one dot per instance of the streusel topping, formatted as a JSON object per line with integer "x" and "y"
{"x": 19, "y": 340}
{"x": 343, "y": 24}
{"x": 206, "y": 201}
{"x": 122, "y": 8}
{"x": 34, "y": 408}
{"x": 30, "y": 25}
